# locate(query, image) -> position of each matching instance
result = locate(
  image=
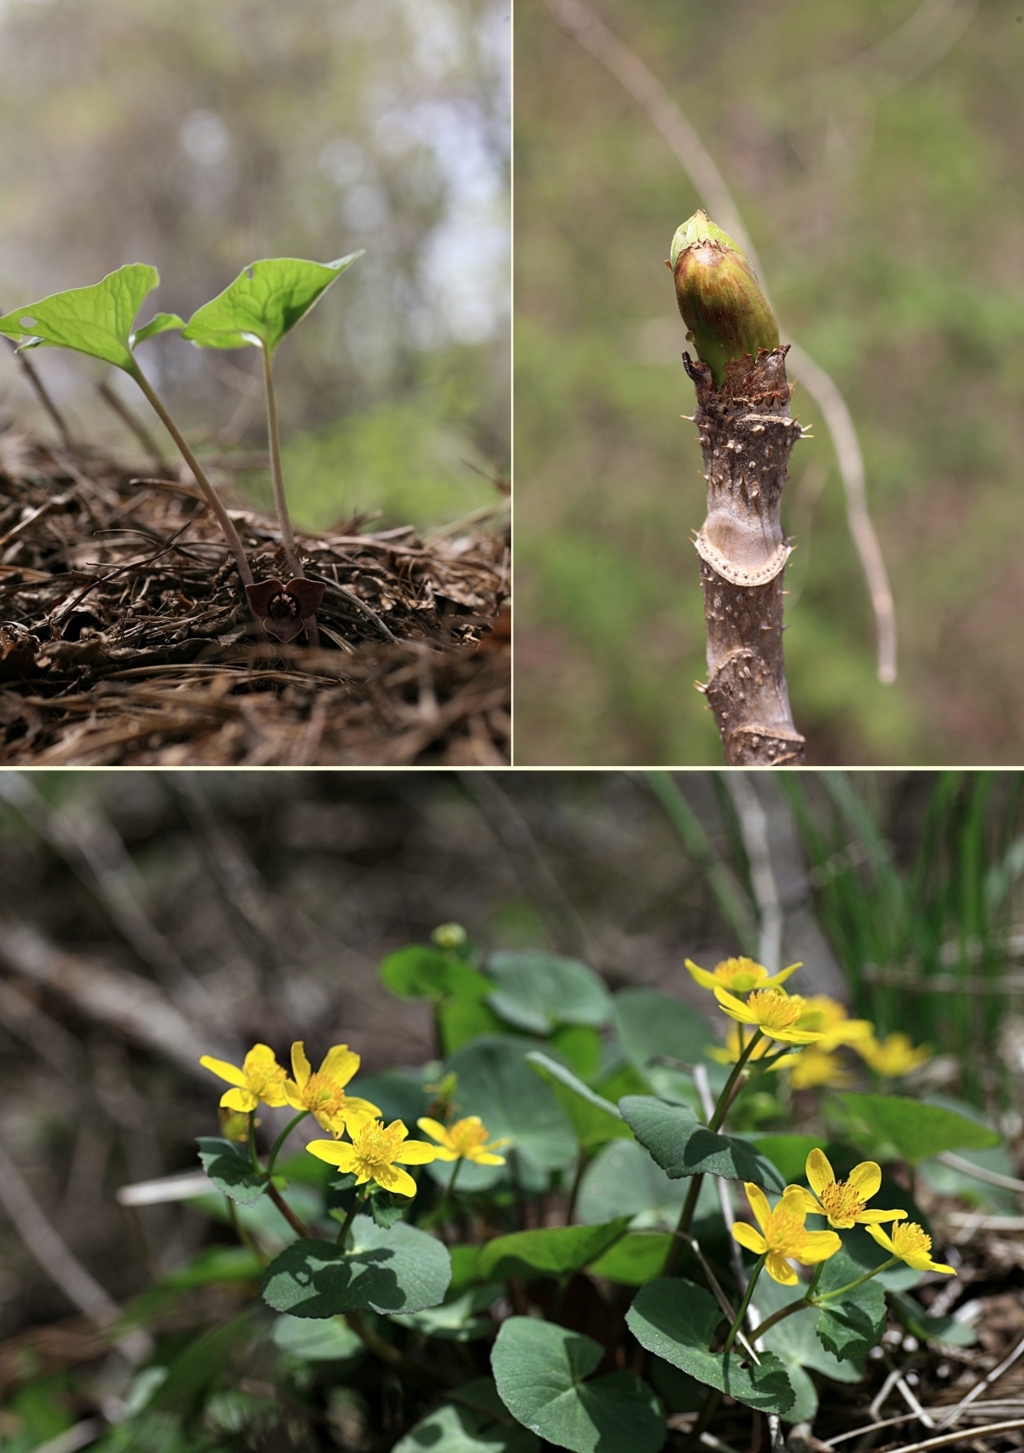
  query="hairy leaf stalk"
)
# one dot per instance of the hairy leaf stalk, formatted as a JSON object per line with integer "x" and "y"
{"x": 746, "y": 434}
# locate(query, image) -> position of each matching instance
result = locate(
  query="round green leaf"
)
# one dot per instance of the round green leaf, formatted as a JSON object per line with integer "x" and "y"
{"x": 652, "y": 1025}
{"x": 230, "y": 1169}
{"x": 396, "y": 1270}
{"x": 623, "y": 1180}
{"x": 639, "y": 1257}
{"x": 419, "y": 972}
{"x": 457, "y": 1320}
{"x": 330, "y": 1340}
{"x": 684, "y": 1146}
{"x": 476, "y": 1423}
{"x": 96, "y": 320}
{"x": 553, "y": 1251}
{"x": 677, "y": 1320}
{"x": 494, "y": 1083}
{"x": 539, "y": 1369}
{"x": 795, "y": 1342}
{"x": 538, "y": 991}
{"x": 851, "y": 1325}
{"x": 264, "y": 302}
{"x": 918, "y": 1130}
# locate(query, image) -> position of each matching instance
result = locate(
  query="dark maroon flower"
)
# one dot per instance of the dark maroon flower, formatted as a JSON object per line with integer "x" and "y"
{"x": 283, "y": 610}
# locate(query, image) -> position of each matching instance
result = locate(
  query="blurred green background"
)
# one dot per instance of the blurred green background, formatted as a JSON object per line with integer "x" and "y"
{"x": 201, "y": 136}
{"x": 873, "y": 147}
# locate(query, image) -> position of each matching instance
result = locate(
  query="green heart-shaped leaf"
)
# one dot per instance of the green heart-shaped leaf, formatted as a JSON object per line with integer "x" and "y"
{"x": 396, "y": 1270}
{"x": 539, "y": 1369}
{"x": 96, "y": 320}
{"x": 538, "y": 991}
{"x": 554, "y": 1251}
{"x": 677, "y": 1320}
{"x": 683, "y": 1146}
{"x": 231, "y": 1170}
{"x": 264, "y": 302}
{"x": 918, "y": 1130}
{"x": 474, "y": 1422}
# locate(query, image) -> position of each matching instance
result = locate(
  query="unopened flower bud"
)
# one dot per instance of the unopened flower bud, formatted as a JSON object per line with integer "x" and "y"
{"x": 725, "y": 312}
{"x": 449, "y": 936}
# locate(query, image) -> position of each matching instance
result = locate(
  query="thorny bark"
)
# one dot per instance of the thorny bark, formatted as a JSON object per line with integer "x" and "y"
{"x": 746, "y": 434}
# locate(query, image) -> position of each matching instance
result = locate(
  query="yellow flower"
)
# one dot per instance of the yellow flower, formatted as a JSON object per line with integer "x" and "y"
{"x": 260, "y": 1078}
{"x": 816, "y": 1066}
{"x": 775, "y": 1013}
{"x": 739, "y": 975}
{"x": 833, "y": 1022}
{"x": 465, "y": 1140}
{"x": 323, "y": 1093}
{"x": 912, "y": 1244}
{"x": 736, "y": 1041}
{"x": 894, "y": 1056}
{"x": 373, "y": 1154}
{"x": 783, "y": 1234}
{"x": 843, "y": 1202}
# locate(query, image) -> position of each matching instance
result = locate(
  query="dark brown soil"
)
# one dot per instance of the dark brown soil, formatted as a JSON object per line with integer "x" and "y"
{"x": 125, "y": 637}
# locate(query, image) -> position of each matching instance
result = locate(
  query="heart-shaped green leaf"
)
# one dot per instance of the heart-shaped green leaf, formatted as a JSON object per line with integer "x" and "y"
{"x": 639, "y": 1257}
{"x": 683, "y": 1146}
{"x": 553, "y": 1251}
{"x": 419, "y": 972}
{"x": 851, "y": 1325}
{"x": 474, "y": 1422}
{"x": 231, "y": 1170}
{"x": 677, "y": 1320}
{"x": 538, "y": 991}
{"x": 330, "y": 1340}
{"x": 264, "y": 302}
{"x": 595, "y": 1119}
{"x": 916, "y": 1129}
{"x": 96, "y": 320}
{"x": 539, "y": 1369}
{"x": 396, "y": 1270}
{"x": 795, "y": 1343}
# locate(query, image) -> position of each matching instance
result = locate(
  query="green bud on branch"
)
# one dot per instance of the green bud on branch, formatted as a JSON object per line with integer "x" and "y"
{"x": 726, "y": 314}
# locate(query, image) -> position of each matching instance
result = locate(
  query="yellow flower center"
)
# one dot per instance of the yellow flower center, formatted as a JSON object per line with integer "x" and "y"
{"x": 376, "y": 1145}
{"x": 323, "y": 1095}
{"x": 841, "y": 1204}
{"x": 263, "y": 1077}
{"x": 467, "y": 1135}
{"x": 785, "y": 1233}
{"x": 910, "y": 1239}
{"x": 775, "y": 1009}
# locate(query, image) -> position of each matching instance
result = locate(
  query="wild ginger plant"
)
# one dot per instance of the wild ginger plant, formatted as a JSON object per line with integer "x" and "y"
{"x": 527, "y": 1239}
{"x": 746, "y": 436}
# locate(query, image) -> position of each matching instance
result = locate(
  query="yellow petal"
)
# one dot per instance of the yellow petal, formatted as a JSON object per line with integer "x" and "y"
{"x": 239, "y": 1099}
{"x": 340, "y": 1063}
{"x": 941, "y": 1266}
{"x": 706, "y": 980}
{"x": 818, "y": 1246}
{"x": 779, "y": 1269}
{"x": 393, "y": 1179}
{"x": 781, "y": 976}
{"x": 416, "y": 1152}
{"x": 865, "y": 1179}
{"x": 481, "y": 1157}
{"x": 361, "y": 1108}
{"x": 866, "y": 1217}
{"x": 334, "y": 1152}
{"x": 792, "y": 1036}
{"x": 275, "y": 1096}
{"x": 301, "y": 1067}
{"x": 434, "y": 1129}
{"x": 877, "y": 1234}
{"x": 745, "y": 1234}
{"x": 792, "y": 1202}
{"x": 735, "y": 1008}
{"x": 443, "y": 1153}
{"x": 293, "y": 1095}
{"x": 811, "y": 1206}
{"x": 223, "y": 1070}
{"x": 758, "y": 1203}
{"x": 819, "y": 1173}
{"x": 260, "y": 1055}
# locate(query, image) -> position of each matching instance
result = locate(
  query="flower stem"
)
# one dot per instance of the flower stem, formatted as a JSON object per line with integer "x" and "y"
{"x": 838, "y": 1291}
{"x": 209, "y": 493}
{"x": 282, "y": 1138}
{"x": 276, "y": 474}
{"x": 253, "y": 1156}
{"x": 737, "y": 1324}
{"x": 289, "y": 1215}
{"x": 800, "y": 1305}
{"x": 357, "y": 1201}
{"x": 721, "y": 1109}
